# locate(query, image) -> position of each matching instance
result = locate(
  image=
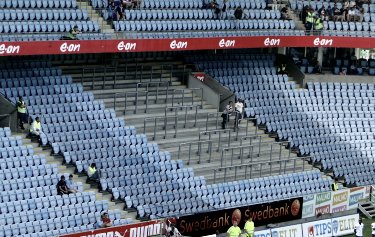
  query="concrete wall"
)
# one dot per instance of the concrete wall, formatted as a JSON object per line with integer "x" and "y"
{"x": 8, "y": 114}
{"x": 213, "y": 92}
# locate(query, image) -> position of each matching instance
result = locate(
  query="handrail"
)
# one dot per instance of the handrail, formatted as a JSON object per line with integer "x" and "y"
{"x": 157, "y": 83}
{"x": 258, "y": 167}
{"x": 175, "y": 109}
{"x": 217, "y": 115}
{"x": 199, "y": 150}
{"x": 217, "y": 131}
{"x": 232, "y": 149}
{"x": 165, "y": 125}
{"x": 251, "y": 138}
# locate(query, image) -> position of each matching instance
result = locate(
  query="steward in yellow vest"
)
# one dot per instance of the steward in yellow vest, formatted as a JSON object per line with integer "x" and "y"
{"x": 21, "y": 112}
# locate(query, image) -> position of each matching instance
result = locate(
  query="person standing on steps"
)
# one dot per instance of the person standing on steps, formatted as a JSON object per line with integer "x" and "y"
{"x": 21, "y": 112}
{"x": 225, "y": 115}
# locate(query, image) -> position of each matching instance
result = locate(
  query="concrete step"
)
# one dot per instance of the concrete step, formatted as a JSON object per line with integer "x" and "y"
{"x": 122, "y": 84}
{"x": 94, "y": 15}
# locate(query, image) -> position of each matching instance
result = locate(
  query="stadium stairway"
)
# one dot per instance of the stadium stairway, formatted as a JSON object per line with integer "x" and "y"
{"x": 95, "y": 16}
{"x": 123, "y": 78}
{"x": 64, "y": 169}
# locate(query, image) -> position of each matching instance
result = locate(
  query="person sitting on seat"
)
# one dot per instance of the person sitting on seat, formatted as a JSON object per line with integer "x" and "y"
{"x": 92, "y": 173}
{"x": 106, "y": 220}
{"x": 238, "y": 13}
{"x": 61, "y": 186}
{"x": 72, "y": 34}
{"x": 71, "y": 185}
{"x": 36, "y": 127}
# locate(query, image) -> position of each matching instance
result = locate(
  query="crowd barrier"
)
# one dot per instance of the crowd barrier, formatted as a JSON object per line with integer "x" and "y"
{"x": 339, "y": 226}
{"x": 154, "y": 45}
{"x": 333, "y": 202}
{"x": 263, "y": 214}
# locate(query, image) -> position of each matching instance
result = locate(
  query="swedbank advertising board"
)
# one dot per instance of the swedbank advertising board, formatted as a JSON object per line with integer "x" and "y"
{"x": 262, "y": 214}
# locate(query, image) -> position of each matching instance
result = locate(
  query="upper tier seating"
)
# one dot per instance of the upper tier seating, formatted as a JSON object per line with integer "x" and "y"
{"x": 169, "y": 19}
{"x": 366, "y": 28}
{"x": 330, "y": 122}
{"x": 133, "y": 169}
{"x": 44, "y": 20}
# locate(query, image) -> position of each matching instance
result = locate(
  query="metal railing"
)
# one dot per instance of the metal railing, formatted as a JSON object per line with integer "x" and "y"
{"x": 141, "y": 72}
{"x": 233, "y": 151}
{"x": 198, "y": 151}
{"x": 251, "y": 139}
{"x": 182, "y": 92}
{"x": 165, "y": 124}
{"x": 260, "y": 168}
{"x": 185, "y": 108}
{"x": 220, "y": 132}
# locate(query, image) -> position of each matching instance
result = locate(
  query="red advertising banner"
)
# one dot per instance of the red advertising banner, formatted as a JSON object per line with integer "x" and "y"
{"x": 151, "y": 45}
{"x": 142, "y": 229}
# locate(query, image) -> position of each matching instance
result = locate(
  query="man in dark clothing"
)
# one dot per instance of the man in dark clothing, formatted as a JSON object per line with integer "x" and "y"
{"x": 225, "y": 115}
{"x": 61, "y": 186}
{"x": 238, "y": 13}
{"x": 21, "y": 112}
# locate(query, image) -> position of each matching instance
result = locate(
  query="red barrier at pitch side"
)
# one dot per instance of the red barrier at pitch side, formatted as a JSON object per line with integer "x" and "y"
{"x": 141, "y": 229}
{"x": 151, "y": 45}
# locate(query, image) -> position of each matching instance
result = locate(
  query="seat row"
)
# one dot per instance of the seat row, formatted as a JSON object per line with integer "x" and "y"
{"x": 194, "y": 14}
{"x": 19, "y": 81}
{"x": 27, "y": 172}
{"x": 47, "y": 26}
{"x": 42, "y": 14}
{"x": 52, "y": 90}
{"x": 175, "y": 25}
{"x": 66, "y": 108}
{"x": 113, "y": 157}
{"x": 13, "y": 64}
{"x": 29, "y": 72}
{"x": 66, "y": 117}
{"x": 38, "y": 4}
{"x": 51, "y": 36}
{"x": 55, "y": 99}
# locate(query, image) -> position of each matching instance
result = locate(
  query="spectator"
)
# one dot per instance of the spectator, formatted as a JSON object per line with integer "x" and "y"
{"x": 115, "y": 11}
{"x": 335, "y": 185}
{"x": 234, "y": 231}
{"x": 172, "y": 231}
{"x": 358, "y": 14}
{"x": 36, "y": 127}
{"x": 351, "y": 14}
{"x": 106, "y": 221}
{"x": 61, "y": 186}
{"x": 21, "y": 112}
{"x": 215, "y": 6}
{"x": 353, "y": 69}
{"x": 323, "y": 14}
{"x": 249, "y": 227}
{"x": 127, "y": 4}
{"x": 358, "y": 228}
{"x": 72, "y": 34}
{"x": 373, "y": 229}
{"x": 285, "y": 13}
{"x": 282, "y": 69}
{"x": 238, "y": 13}
{"x": 309, "y": 19}
{"x": 318, "y": 25}
{"x": 317, "y": 68}
{"x": 329, "y": 12}
{"x": 137, "y": 3}
{"x": 338, "y": 14}
{"x": 239, "y": 109}
{"x": 71, "y": 185}
{"x": 343, "y": 72}
{"x": 224, "y": 9}
{"x": 225, "y": 115}
{"x": 92, "y": 173}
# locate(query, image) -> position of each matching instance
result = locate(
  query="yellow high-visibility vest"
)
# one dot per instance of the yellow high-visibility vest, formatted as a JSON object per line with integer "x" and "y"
{"x": 22, "y": 108}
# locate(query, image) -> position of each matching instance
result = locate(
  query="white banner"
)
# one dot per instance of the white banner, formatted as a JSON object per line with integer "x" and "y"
{"x": 262, "y": 233}
{"x": 287, "y": 231}
{"x": 344, "y": 225}
{"x": 321, "y": 228}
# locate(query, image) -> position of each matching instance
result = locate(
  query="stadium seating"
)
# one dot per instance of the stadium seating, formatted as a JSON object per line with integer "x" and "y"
{"x": 45, "y": 20}
{"x": 330, "y": 122}
{"x": 169, "y": 19}
{"x": 29, "y": 204}
{"x": 83, "y": 132}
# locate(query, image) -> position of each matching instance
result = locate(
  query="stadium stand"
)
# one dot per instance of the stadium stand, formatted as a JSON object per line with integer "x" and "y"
{"x": 170, "y": 19}
{"x": 46, "y": 20}
{"x": 304, "y": 116}
{"x": 146, "y": 169}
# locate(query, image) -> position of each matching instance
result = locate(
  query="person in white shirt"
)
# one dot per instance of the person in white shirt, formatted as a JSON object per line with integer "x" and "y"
{"x": 358, "y": 228}
{"x": 373, "y": 229}
{"x": 239, "y": 109}
{"x": 225, "y": 115}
